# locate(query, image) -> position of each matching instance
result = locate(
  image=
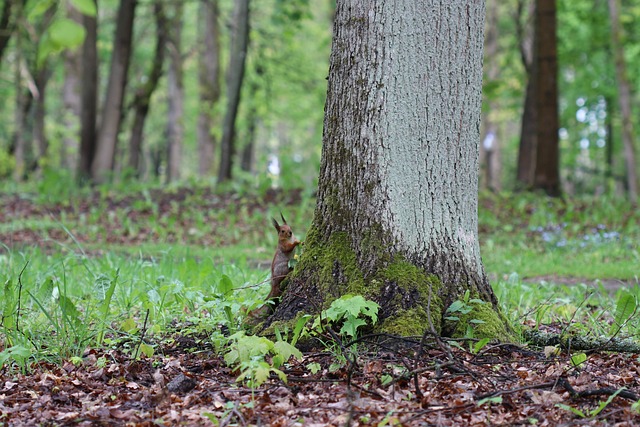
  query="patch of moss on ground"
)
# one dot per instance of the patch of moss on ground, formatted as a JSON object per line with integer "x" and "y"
{"x": 493, "y": 325}
{"x": 406, "y": 323}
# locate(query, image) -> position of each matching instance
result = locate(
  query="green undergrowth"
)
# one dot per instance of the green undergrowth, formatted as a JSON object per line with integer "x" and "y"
{"x": 56, "y": 305}
{"x": 81, "y": 291}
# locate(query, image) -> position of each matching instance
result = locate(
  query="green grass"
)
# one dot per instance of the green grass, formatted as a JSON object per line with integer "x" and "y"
{"x": 60, "y": 300}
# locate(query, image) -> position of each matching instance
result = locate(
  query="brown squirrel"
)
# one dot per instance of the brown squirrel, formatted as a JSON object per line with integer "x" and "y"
{"x": 279, "y": 266}
{"x": 284, "y": 253}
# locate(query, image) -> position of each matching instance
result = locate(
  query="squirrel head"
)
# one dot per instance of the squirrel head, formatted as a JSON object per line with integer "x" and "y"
{"x": 284, "y": 231}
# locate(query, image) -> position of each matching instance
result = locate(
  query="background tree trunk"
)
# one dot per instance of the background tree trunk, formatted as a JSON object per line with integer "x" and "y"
{"x": 104, "y": 159}
{"x": 547, "y": 172}
{"x": 209, "y": 79}
{"x": 71, "y": 98}
{"x": 527, "y": 148}
{"x": 39, "y": 114}
{"x": 142, "y": 98}
{"x": 490, "y": 159}
{"x": 624, "y": 99}
{"x": 235, "y": 75}
{"x": 89, "y": 97}
{"x": 396, "y": 214}
{"x": 175, "y": 94}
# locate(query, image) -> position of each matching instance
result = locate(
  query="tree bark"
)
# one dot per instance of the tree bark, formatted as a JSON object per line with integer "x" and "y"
{"x": 490, "y": 159}
{"x": 88, "y": 98}
{"x": 235, "y": 75}
{"x": 547, "y": 172}
{"x": 527, "y": 148}
{"x": 624, "y": 99}
{"x": 175, "y": 93}
{"x": 142, "y": 99}
{"x": 103, "y": 162}
{"x": 8, "y": 21}
{"x": 39, "y": 114}
{"x": 396, "y": 213}
{"x": 71, "y": 99}
{"x": 209, "y": 79}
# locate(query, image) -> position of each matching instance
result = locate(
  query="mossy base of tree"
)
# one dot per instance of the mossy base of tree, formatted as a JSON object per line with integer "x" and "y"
{"x": 408, "y": 296}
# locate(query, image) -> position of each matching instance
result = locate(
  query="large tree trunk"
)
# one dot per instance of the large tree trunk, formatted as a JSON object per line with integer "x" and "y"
{"x": 142, "y": 98}
{"x": 624, "y": 99}
{"x": 103, "y": 162}
{"x": 235, "y": 75}
{"x": 396, "y": 214}
{"x": 88, "y": 98}
{"x": 175, "y": 91}
{"x": 547, "y": 172}
{"x": 209, "y": 80}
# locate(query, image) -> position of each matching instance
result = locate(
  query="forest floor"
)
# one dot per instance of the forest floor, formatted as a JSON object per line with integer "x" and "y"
{"x": 391, "y": 382}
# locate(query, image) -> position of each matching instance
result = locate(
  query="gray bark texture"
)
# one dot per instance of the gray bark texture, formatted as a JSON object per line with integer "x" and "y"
{"x": 209, "y": 80}
{"x": 71, "y": 98}
{"x": 142, "y": 98}
{"x": 624, "y": 99}
{"x": 175, "y": 91}
{"x": 399, "y": 171}
{"x": 112, "y": 111}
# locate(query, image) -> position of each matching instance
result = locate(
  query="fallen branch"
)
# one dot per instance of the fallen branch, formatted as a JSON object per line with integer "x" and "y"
{"x": 542, "y": 339}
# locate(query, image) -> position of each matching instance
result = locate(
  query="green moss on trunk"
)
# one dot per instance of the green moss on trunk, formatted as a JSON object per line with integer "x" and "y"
{"x": 408, "y": 296}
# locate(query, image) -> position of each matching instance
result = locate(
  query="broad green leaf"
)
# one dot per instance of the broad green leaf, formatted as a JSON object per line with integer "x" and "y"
{"x": 225, "y": 285}
{"x": 65, "y": 33}
{"x": 39, "y": 8}
{"x": 480, "y": 345}
{"x": 146, "y": 349}
{"x": 578, "y": 359}
{"x": 86, "y": 7}
{"x": 287, "y": 350}
{"x": 351, "y": 325}
{"x": 625, "y": 308}
{"x": 455, "y": 307}
{"x": 129, "y": 325}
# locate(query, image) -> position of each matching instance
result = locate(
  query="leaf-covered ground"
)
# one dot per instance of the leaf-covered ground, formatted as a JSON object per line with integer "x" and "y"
{"x": 501, "y": 385}
{"x": 187, "y": 383}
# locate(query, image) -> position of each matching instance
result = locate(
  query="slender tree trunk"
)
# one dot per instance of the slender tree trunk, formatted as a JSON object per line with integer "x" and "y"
{"x": 103, "y": 162}
{"x": 624, "y": 99}
{"x": 209, "y": 79}
{"x": 11, "y": 10}
{"x": 396, "y": 213}
{"x": 235, "y": 75}
{"x": 175, "y": 92}
{"x": 71, "y": 99}
{"x": 88, "y": 98}
{"x": 490, "y": 147}
{"x": 527, "y": 148}
{"x": 142, "y": 99}
{"x": 547, "y": 172}
{"x": 39, "y": 114}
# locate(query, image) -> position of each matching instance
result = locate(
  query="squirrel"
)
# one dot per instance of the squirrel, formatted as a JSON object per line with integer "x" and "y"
{"x": 279, "y": 266}
{"x": 284, "y": 253}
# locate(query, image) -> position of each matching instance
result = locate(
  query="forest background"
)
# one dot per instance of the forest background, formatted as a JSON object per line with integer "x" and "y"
{"x": 190, "y": 108}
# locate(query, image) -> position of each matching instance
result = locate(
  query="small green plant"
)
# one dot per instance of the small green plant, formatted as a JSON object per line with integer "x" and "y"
{"x": 349, "y": 311}
{"x": 460, "y": 308}
{"x": 248, "y": 353}
{"x": 589, "y": 413}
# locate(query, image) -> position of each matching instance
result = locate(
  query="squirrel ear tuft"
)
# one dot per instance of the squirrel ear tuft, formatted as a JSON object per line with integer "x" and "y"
{"x": 275, "y": 224}
{"x": 283, "y": 220}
